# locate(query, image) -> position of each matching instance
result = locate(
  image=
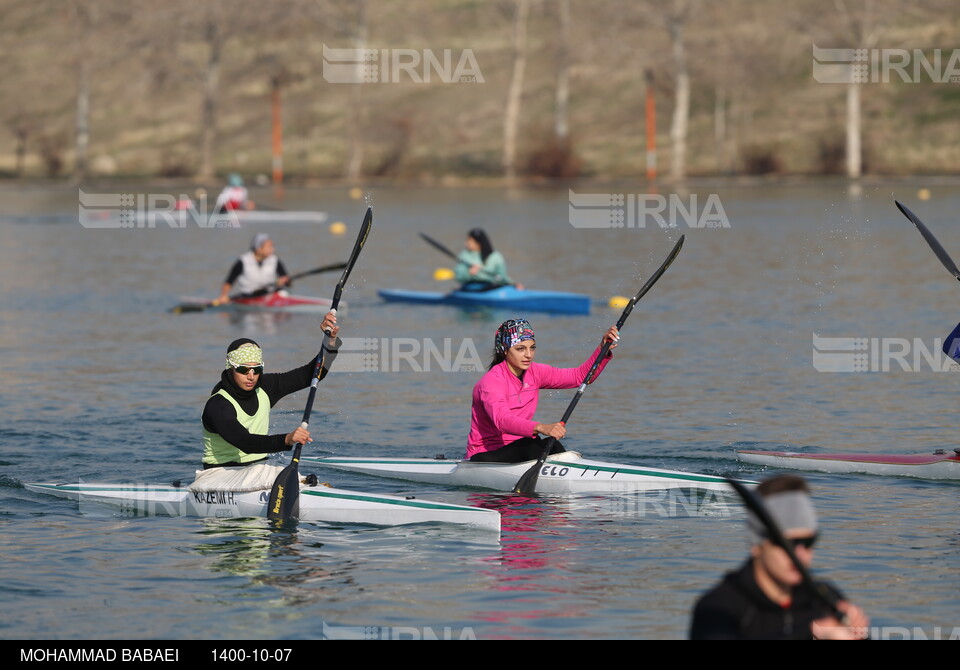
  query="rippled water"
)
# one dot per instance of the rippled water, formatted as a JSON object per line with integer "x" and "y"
{"x": 103, "y": 383}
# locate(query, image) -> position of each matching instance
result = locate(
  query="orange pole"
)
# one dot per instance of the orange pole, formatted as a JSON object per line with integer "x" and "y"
{"x": 651, "y": 129}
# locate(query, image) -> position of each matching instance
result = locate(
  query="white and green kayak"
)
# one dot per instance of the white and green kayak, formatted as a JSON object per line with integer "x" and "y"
{"x": 317, "y": 503}
{"x": 567, "y": 472}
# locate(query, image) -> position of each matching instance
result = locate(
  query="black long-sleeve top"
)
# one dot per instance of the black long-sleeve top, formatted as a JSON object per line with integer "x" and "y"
{"x": 220, "y": 417}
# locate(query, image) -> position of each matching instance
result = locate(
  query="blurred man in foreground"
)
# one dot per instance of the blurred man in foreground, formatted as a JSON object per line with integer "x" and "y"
{"x": 767, "y": 598}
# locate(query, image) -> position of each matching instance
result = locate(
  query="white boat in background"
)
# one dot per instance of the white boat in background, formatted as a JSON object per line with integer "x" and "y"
{"x": 567, "y": 472}
{"x": 938, "y": 465}
{"x": 192, "y": 218}
{"x": 317, "y": 503}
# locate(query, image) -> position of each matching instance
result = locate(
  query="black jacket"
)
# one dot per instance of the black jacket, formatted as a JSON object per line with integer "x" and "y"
{"x": 736, "y": 609}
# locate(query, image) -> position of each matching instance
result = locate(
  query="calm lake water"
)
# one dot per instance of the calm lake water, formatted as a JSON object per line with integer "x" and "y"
{"x": 105, "y": 384}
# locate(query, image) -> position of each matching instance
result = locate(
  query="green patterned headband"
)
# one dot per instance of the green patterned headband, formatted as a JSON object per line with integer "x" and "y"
{"x": 245, "y": 354}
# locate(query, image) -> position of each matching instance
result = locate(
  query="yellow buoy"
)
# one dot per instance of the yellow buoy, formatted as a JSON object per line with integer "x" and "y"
{"x": 923, "y": 194}
{"x": 618, "y": 302}
{"x": 356, "y": 193}
{"x": 443, "y": 274}
{"x": 338, "y": 228}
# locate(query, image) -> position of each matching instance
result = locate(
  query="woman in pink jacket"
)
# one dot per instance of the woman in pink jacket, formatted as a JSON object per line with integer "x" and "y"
{"x": 502, "y": 427}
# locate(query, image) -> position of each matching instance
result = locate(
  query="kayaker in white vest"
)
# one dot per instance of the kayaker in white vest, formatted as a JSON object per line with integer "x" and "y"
{"x": 257, "y": 269}
{"x": 236, "y": 416}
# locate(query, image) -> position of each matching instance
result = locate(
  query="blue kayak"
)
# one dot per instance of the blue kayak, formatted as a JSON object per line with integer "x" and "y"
{"x": 504, "y": 297}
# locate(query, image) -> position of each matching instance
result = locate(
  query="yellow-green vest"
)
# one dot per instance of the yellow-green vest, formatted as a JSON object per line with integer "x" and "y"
{"x": 217, "y": 450}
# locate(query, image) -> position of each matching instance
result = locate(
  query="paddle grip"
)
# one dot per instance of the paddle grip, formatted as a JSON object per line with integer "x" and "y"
{"x": 334, "y": 311}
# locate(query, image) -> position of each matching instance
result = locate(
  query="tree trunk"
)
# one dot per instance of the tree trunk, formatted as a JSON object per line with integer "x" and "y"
{"x": 355, "y": 111}
{"x": 82, "y": 120}
{"x": 681, "y": 103}
{"x": 512, "y": 113}
{"x": 211, "y": 85}
{"x": 854, "y": 151}
{"x": 720, "y": 128}
{"x": 560, "y": 126}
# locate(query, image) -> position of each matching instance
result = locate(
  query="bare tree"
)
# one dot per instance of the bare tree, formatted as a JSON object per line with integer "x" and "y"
{"x": 355, "y": 115}
{"x": 561, "y": 129}
{"x": 511, "y": 118}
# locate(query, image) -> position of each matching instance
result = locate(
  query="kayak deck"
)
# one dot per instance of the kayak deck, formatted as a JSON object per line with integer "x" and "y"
{"x": 936, "y": 465}
{"x": 275, "y": 302}
{"x": 561, "y": 473}
{"x": 317, "y": 503}
{"x": 505, "y": 297}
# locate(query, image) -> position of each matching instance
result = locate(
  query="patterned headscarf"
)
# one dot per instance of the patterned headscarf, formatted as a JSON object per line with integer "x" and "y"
{"x": 244, "y": 352}
{"x": 511, "y": 333}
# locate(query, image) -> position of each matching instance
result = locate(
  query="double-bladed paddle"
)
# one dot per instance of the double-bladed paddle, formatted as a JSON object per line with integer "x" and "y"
{"x": 755, "y": 505}
{"x": 528, "y": 481}
{"x": 949, "y": 347}
{"x": 284, "y": 500}
{"x": 931, "y": 240}
{"x": 201, "y": 306}
{"x": 432, "y": 242}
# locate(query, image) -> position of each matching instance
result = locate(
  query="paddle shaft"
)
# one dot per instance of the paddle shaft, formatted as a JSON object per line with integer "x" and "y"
{"x": 429, "y": 240}
{"x": 528, "y": 481}
{"x": 285, "y": 494}
{"x": 188, "y": 307}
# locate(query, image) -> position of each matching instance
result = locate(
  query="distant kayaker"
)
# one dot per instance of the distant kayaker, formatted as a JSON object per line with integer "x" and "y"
{"x": 233, "y": 197}
{"x": 502, "y": 427}
{"x": 257, "y": 269}
{"x": 236, "y": 417}
{"x": 766, "y": 598}
{"x": 479, "y": 266}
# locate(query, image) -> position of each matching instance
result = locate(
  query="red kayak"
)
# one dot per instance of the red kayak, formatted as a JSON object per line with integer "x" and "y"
{"x": 941, "y": 464}
{"x": 280, "y": 301}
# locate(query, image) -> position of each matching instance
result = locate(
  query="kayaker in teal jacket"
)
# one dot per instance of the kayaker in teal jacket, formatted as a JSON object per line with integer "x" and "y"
{"x": 479, "y": 266}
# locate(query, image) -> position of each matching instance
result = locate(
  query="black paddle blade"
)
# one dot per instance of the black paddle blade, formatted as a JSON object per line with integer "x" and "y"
{"x": 527, "y": 484}
{"x": 931, "y": 240}
{"x": 652, "y": 280}
{"x": 284, "y": 500}
{"x": 188, "y": 307}
{"x": 354, "y": 255}
{"x": 432, "y": 242}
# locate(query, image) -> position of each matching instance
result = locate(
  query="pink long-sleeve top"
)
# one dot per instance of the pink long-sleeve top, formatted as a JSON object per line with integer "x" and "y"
{"x": 504, "y": 404}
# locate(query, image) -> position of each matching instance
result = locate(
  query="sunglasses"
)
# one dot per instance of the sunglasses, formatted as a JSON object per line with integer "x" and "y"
{"x": 244, "y": 369}
{"x": 805, "y": 542}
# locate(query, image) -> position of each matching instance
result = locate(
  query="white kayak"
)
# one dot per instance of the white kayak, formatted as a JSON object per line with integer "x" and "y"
{"x": 111, "y": 217}
{"x": 938, "y": 465}
{"x": 317, "y": 503}
{"x": 566, "y": 472}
